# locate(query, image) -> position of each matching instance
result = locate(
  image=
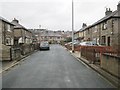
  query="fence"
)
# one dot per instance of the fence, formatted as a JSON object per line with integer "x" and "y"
{"x": 93, "y": 53}
{"x": 69, "y": 47}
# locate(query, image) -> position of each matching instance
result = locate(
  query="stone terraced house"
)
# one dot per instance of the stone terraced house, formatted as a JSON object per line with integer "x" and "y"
{"x": 6, "y": 38}
{"x": 105, "y": 31}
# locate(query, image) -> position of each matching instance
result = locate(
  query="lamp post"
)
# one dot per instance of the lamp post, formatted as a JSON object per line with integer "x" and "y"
{"x": 72, "y": 26}
{"x": 39, "y": 33}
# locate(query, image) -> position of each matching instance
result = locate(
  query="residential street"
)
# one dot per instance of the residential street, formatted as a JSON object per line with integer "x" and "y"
{"x": 55, "y": 68}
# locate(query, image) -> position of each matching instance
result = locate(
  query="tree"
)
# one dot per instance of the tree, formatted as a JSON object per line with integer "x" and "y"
{"x": 69, "y": 39}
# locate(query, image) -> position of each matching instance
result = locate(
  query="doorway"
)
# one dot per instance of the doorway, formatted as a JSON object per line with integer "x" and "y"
{"x": 108, "y": 41}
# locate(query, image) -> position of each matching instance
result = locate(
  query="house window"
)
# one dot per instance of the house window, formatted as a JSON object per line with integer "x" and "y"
{"x": 8, "y": 41}
{"x": 96, "y": 28}
{"x": 108, "y": 41}
{"x": 16, "y": 41}
{"x": 104, "y": 26}
{"x": 8, "y": 28}
{"x": 25, "y": 33}
{"x": 103, "y": 40}
{"x": 88, "y": 31}
{"x": 58, "y": 37}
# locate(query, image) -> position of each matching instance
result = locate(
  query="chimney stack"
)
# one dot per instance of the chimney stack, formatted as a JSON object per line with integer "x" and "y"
{"x": 84, "y": 25}
{"x": 118, "y": 8}
{"x": 15, "y": 20}
{"x": 108, "y": 11}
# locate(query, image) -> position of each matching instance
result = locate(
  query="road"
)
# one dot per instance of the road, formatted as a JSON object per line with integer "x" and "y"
{"x": 55, "y": 68}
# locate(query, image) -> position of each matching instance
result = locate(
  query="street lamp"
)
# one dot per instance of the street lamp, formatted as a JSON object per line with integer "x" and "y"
{"x": 39, "y": 33}
{"x": 72, "y": 26}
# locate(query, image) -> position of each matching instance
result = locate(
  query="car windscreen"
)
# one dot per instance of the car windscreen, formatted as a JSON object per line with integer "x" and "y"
{"x": 44, "y": 44}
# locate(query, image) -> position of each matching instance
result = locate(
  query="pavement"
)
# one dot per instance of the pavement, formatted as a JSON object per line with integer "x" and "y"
{"x": 6, "y": 65}
{"x": 56, "y": 68}
{"x": 97, "y": 68}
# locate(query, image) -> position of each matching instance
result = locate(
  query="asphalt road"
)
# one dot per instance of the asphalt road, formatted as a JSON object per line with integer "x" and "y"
{"x": 55, "y": 68}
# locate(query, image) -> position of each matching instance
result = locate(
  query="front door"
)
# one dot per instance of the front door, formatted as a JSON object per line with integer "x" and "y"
{"x": 108, "y": 41}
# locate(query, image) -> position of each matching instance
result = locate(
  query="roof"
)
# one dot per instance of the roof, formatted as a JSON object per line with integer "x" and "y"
{"x": 113, "y": 14}
{"x": 3, "y": 19}
{"x": 107, "y": 17}
{"x": 51, "y": 34}
{"x": 17, "y": 25}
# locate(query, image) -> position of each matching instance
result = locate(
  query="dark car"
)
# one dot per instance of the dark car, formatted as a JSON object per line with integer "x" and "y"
{"x": 44, "y": 45}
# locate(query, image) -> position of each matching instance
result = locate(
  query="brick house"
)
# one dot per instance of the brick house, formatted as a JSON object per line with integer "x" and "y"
{"x": 6, "y": 38}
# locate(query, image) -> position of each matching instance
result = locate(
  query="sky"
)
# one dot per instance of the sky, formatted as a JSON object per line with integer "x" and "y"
{"x": 55, "y": 14}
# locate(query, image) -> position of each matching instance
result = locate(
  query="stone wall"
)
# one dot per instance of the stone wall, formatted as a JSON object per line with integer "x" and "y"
{"x": 26, "y": 48}
{"x": 5, "y": 50}
{"x": 0, "y": 32}
{"x": 119, "y": 37}
{"x": 111, "y": 64}
{"x": 0, "y": 40}
{"x": 15, "y": 53}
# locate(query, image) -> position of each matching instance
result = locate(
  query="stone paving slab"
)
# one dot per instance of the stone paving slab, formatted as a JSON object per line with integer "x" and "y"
{"x": 97, "y": 68}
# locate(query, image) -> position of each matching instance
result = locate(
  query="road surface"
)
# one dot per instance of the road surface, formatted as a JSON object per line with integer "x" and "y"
{"x": 55, "y": 68}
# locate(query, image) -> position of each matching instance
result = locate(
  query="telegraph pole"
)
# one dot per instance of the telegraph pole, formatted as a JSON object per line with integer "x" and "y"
{"x": 72, "y": 26}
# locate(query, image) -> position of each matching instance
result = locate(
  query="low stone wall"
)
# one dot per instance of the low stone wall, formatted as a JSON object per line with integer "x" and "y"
{"x": 111, "y": 64}
{"x": 5, "y": 53}
{"x": 15, "y": 53}
{"x": 26, "y": 48}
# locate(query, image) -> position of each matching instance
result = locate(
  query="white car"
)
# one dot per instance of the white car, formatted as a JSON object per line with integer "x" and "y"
{"x": 88, "y": 43}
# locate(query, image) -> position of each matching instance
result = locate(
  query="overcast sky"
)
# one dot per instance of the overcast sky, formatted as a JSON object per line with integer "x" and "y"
{"x": 55, "y": 14}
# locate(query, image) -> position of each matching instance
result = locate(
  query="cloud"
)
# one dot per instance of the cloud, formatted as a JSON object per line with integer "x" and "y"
{"x": 55, "y": 14}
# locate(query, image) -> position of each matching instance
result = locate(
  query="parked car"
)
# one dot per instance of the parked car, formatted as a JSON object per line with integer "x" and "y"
{"x": 88, "y": 43}
{"x": 70, "y": 43}
{"x": 44, "y": 45}
{"x": 76, "y": 43}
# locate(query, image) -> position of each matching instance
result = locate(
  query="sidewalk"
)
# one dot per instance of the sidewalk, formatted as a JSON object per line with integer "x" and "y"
{"x": 6, "y": 65}
{"x": 108, "y": 76}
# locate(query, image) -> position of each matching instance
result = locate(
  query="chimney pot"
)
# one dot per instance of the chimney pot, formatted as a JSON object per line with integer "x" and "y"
{"x": 15, "y": 20}
{"x": 108, "y": 11}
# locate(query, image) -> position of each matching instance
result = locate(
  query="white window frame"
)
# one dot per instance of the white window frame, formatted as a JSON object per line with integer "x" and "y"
{"x": 9, "y": 41}
{"x": 8, "y": 28}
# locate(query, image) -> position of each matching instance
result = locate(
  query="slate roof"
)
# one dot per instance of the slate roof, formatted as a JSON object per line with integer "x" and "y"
{"x": 3, "y": 19}
{"x": 51, "y": 34}
{"x": 113, "y": 14}
{"x": 17, "y": 25}
{"x": 107, "y": 17}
